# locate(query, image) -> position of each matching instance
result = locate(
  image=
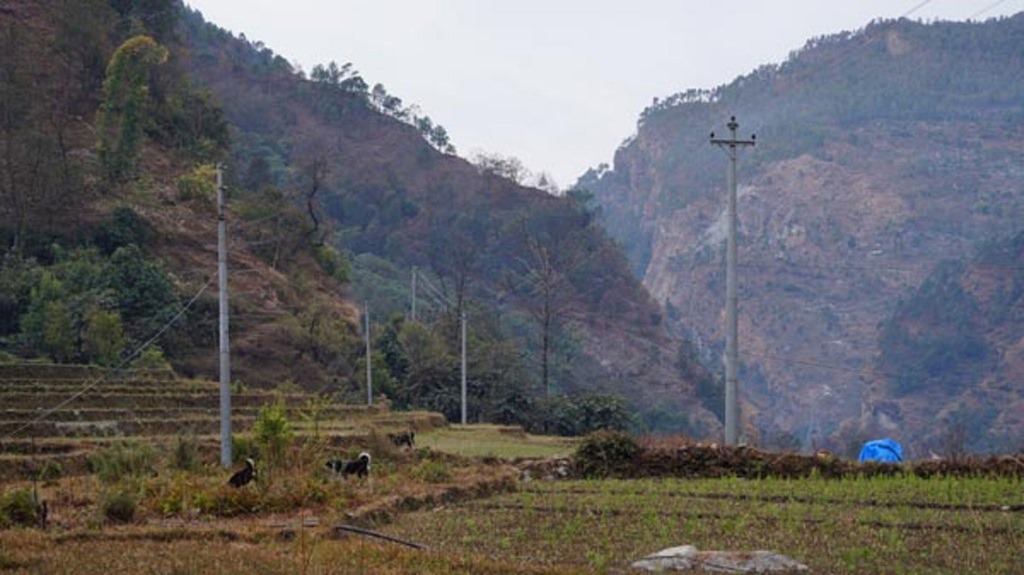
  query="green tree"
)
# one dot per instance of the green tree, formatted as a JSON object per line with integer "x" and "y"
{"x": 143, "y": 290}
{"x": 59, "y": 337}
{"x": 103, "y": 339}
{"x": 45, "y": 310}
{"x": 123, "y": 113}
{"x": 432, "y": 381}
{"x": 587, "y": 413}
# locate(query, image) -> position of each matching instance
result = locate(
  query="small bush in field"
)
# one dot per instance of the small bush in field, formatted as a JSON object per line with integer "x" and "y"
{"x": 186, "y": 453}
{"x": 119, "y": 507}
{"x": 183, "y": 495}
{"x": 51, "y": 471}
{"x": 17, "y": 508}
{"x": 229, "y": 502}
{"x": 273, "y": 431}
{"x": 603, "y": 453}
{"x": 431, "y": 471}
{"x": 123, "y": 460}
{"x": 243, "y": 447}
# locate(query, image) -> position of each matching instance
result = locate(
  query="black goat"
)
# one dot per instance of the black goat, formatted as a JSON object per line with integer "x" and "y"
{"x": 404, "y": 438}
{"x": 245, "y": 475}
{"x": 359, "y": 467}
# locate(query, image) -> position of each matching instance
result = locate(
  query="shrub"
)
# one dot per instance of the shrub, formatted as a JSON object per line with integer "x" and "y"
{"x": 151, "y": 358}
{"x": 18, "y": 508}
{"x": 199, "y": 185}
{"x": 51, "y": 471}
{"x": 273, "y": 431}
{"x": 606, "y": 453}
{"x": 124, "y": 227}
{"x": 580, "y": 415}
{"x": 119, "y": 507}
{"x": 122, "y": 460}
{"x": 243, "y": 447}
{"x": 332, "y": 262}
{"x": 184, "y": 494}
{"x": 186, "y": 453}
{"x": 431, "y": 471}
{"x": 230, "y": 502}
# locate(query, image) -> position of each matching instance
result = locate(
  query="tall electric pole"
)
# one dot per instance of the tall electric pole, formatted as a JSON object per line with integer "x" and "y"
{"x": 225, "y": 350}
{"x": 731, "y": 344}
{"x": 413, "y": 293}
{"x": 463, "y": 394}
{"x": 369, "y": 369}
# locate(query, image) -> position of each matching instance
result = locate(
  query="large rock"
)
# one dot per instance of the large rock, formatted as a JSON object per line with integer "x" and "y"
{"x": 687, "y": 557}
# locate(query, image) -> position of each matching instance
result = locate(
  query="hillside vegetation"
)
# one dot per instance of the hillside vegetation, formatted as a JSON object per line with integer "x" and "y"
{"x": 115, "y": 117}
{"x": 881, "y": 154}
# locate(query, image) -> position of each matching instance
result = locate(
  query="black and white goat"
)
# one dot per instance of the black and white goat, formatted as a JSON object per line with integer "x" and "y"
{"x": 404, "y": 438}
{"x": 360, "y": 467}
{"x": 245, "y": 475}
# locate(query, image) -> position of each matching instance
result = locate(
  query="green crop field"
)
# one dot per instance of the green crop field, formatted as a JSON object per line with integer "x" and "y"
{"x": 877, "y": 525}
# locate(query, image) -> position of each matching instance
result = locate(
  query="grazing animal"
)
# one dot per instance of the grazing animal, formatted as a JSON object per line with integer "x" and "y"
{"x": 359, "y": 467}
{"x": 245, "y": 475}
{"x": 404, "y": 438}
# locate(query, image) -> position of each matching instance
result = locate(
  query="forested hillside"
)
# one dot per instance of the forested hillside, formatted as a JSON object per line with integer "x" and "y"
{"x": 115, "y": 115}
{"x": 880, "y": 154}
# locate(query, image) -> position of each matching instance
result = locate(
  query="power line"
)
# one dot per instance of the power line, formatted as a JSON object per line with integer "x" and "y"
{"x": 986, "y": 9}
{"x": 436, "y": 293}
{"x": 915, "y": 8}
{"x": 922, "y": 269}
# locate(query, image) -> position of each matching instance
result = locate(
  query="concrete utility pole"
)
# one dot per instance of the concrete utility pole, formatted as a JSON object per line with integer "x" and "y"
{"x": 225, "y": 350}
{"x": 731, "y": 344}
{"x": 369, "y": 362}
{"x": 463, "y": 317}
{"x": 413, "y": 293}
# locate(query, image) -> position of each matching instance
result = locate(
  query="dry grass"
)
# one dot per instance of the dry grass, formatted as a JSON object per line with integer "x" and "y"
{"x": 32, "y": 553}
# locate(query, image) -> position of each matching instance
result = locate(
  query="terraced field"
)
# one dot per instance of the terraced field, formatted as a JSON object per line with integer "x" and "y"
{"x": 62, "y": 413}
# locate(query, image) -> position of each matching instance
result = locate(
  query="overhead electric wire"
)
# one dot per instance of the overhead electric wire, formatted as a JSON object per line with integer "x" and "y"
{"x": 436, "y": 293}
{"x": 925, "y": 269}
{"x": 915, "y": 8}
{"x": 986, "y": 9}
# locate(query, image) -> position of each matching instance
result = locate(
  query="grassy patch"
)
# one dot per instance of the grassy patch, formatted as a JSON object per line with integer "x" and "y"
{"x": 494, "y": 441}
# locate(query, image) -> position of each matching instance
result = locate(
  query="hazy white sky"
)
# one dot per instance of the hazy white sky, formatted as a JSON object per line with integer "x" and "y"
{"x": 558, "y": 84}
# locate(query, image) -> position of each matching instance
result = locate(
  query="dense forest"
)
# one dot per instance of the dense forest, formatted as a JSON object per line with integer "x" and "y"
{"x": 115, "y": 117}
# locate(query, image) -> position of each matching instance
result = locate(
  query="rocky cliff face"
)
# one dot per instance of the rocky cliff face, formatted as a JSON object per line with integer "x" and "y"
{"x": 880, "y": 154}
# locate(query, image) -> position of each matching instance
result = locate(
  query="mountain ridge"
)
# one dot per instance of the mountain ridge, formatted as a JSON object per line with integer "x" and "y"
{"x": 879, "y": 153}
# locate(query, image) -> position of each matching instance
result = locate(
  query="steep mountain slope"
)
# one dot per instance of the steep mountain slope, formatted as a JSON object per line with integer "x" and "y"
{"x": 956, "y": 342}
{"x": 112, "y": 118}
{"x": 373, "y": 185}
{"x": 879, "y": 154}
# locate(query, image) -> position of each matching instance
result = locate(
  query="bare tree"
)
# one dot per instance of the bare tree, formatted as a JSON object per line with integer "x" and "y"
{"x": 550, "y": 291}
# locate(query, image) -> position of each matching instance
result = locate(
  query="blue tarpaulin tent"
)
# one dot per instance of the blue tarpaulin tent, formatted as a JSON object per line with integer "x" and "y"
{"x": 883, "y": 450}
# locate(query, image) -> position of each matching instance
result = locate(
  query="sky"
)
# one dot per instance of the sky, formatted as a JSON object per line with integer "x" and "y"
{"x": 558, "y": 84}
